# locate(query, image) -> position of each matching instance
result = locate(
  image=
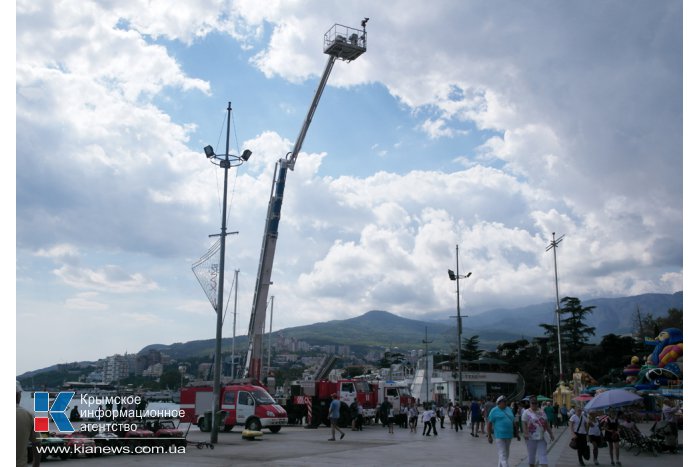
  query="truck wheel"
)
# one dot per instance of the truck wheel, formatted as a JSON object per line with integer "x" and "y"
{"x": 253, "y": 424}
{"x": 203, "y": 426}
{"x": 228, "y": 428}
{"x": 275, "y": 429}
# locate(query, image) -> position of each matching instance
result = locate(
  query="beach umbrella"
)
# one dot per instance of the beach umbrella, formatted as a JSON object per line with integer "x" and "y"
{"x": 611, "y": 398}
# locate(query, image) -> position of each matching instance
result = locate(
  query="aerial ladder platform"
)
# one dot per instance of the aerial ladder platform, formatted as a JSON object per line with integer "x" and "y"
{"x": 339, "y": 42}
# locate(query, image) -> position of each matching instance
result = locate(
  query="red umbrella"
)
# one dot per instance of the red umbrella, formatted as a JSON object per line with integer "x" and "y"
{"x": 583, "y": 397}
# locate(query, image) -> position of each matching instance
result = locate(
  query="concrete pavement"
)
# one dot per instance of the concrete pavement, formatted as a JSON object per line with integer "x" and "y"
{"x": 374, "y": 446}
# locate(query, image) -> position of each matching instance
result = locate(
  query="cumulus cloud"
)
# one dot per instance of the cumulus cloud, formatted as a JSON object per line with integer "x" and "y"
{"x": 539, "y": 119}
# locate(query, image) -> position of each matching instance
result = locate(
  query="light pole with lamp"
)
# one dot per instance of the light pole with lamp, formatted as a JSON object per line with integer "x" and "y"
{"x": 225, "y": 161}
{"x": 456, "y": 277}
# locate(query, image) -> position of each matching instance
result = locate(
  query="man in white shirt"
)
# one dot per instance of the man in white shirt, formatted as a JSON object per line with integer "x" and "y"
{"x": 579, "y": 429}
{"x": 427, "y": 415}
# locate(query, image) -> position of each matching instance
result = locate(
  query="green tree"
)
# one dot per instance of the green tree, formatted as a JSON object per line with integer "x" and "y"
{"x": 573, "y": 328}
{"x": 170, "y": 379}
{"x": 470, "y": 348}
{"x": 533, "y": 360}
{"x": 574, "y": 335}
{"x": 647, "y": 325}
{"x": 512, "y": 352}
{"x": 673, "y": 319}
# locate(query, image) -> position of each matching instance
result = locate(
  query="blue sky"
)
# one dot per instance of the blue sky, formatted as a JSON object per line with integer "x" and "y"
{"x": 484, "y": 124}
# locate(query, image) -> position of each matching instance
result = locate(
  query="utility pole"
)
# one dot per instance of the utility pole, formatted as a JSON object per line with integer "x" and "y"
{"x": 427, "y": 373}
{"x": 456, "y": 278}
{"x": 553, "y": 246}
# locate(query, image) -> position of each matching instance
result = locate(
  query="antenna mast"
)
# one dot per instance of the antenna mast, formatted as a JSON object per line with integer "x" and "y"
{"x": 553, "y": 246}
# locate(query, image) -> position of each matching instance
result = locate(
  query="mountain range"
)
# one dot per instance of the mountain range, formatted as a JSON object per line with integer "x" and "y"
{"x": 378, "y": 328}
{"x": 381, "y": 329}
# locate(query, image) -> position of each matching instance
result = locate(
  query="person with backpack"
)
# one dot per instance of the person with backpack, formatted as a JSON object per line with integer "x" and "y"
{"x": 457, "y": 418}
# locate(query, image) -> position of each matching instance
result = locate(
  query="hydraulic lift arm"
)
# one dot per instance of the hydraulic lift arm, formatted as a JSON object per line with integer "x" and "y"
{"x": 339, "y": 42}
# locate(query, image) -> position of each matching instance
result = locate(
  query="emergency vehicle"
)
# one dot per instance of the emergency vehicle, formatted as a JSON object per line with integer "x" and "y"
{"x": 248, "y": 405}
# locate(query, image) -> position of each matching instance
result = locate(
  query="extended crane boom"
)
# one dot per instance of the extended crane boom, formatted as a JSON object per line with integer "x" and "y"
{"x": 339, "y": 42}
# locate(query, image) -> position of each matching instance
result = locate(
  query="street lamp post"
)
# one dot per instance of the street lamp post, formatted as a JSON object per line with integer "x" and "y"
{"x": 456, "y": 277}
{"x": 225, "y": 161}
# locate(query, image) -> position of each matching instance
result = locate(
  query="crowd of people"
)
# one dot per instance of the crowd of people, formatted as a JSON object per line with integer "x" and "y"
{"x": 500, "y": 422}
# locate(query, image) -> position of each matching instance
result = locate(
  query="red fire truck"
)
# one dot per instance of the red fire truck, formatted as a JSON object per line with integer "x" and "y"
{"x": 315, "y": 397}
{"x": 244, "y": 404}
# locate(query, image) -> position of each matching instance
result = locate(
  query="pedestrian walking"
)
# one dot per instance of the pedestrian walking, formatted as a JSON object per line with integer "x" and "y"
{"x": 402, "y": 419}
{"x": 549, "y": 411}
{"x": 353, "y": 414}
{"x": 501, "y": 425}
{"x": 413, "y": 418}
{"x": 612, "y": 436}
{"x": 334, "y": 415}
{"x": 457, "y": 418}
{"x": 390, "y": 420}
{"x": 535, "y": 425}
{"x": 594, "y": 435}
{"x": 579, "y": 430}
{"x": 427, "y": 416}
{"x": 475, "y": 410}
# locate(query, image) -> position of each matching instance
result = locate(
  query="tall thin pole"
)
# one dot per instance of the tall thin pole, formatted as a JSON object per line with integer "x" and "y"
{"x": 216, "y": 399}
{"x": 269, "y": 338}
{"x": 233, "y": 340}
{"x": 459, "y": 335}
{"x": 427, "y": 373}
{"x": 553, "y": 246}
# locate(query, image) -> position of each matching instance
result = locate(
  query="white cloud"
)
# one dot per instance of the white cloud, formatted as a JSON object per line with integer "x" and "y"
{"x": 561, "y": 119}
{"x": 61, "y": 253}
{"x": 86, "y": 301}
{"x": 437, "y": 128}
{"x": 110, "y": 278}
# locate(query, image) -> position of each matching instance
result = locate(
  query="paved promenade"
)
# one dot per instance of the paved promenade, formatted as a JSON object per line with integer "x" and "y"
{"x": 374, "y": 446}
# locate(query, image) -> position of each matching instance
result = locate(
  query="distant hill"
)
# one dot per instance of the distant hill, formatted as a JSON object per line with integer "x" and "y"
{"x": 610, "y": 316}
{"x": 378, "y": 328}
{"x": 383, "y": 329}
